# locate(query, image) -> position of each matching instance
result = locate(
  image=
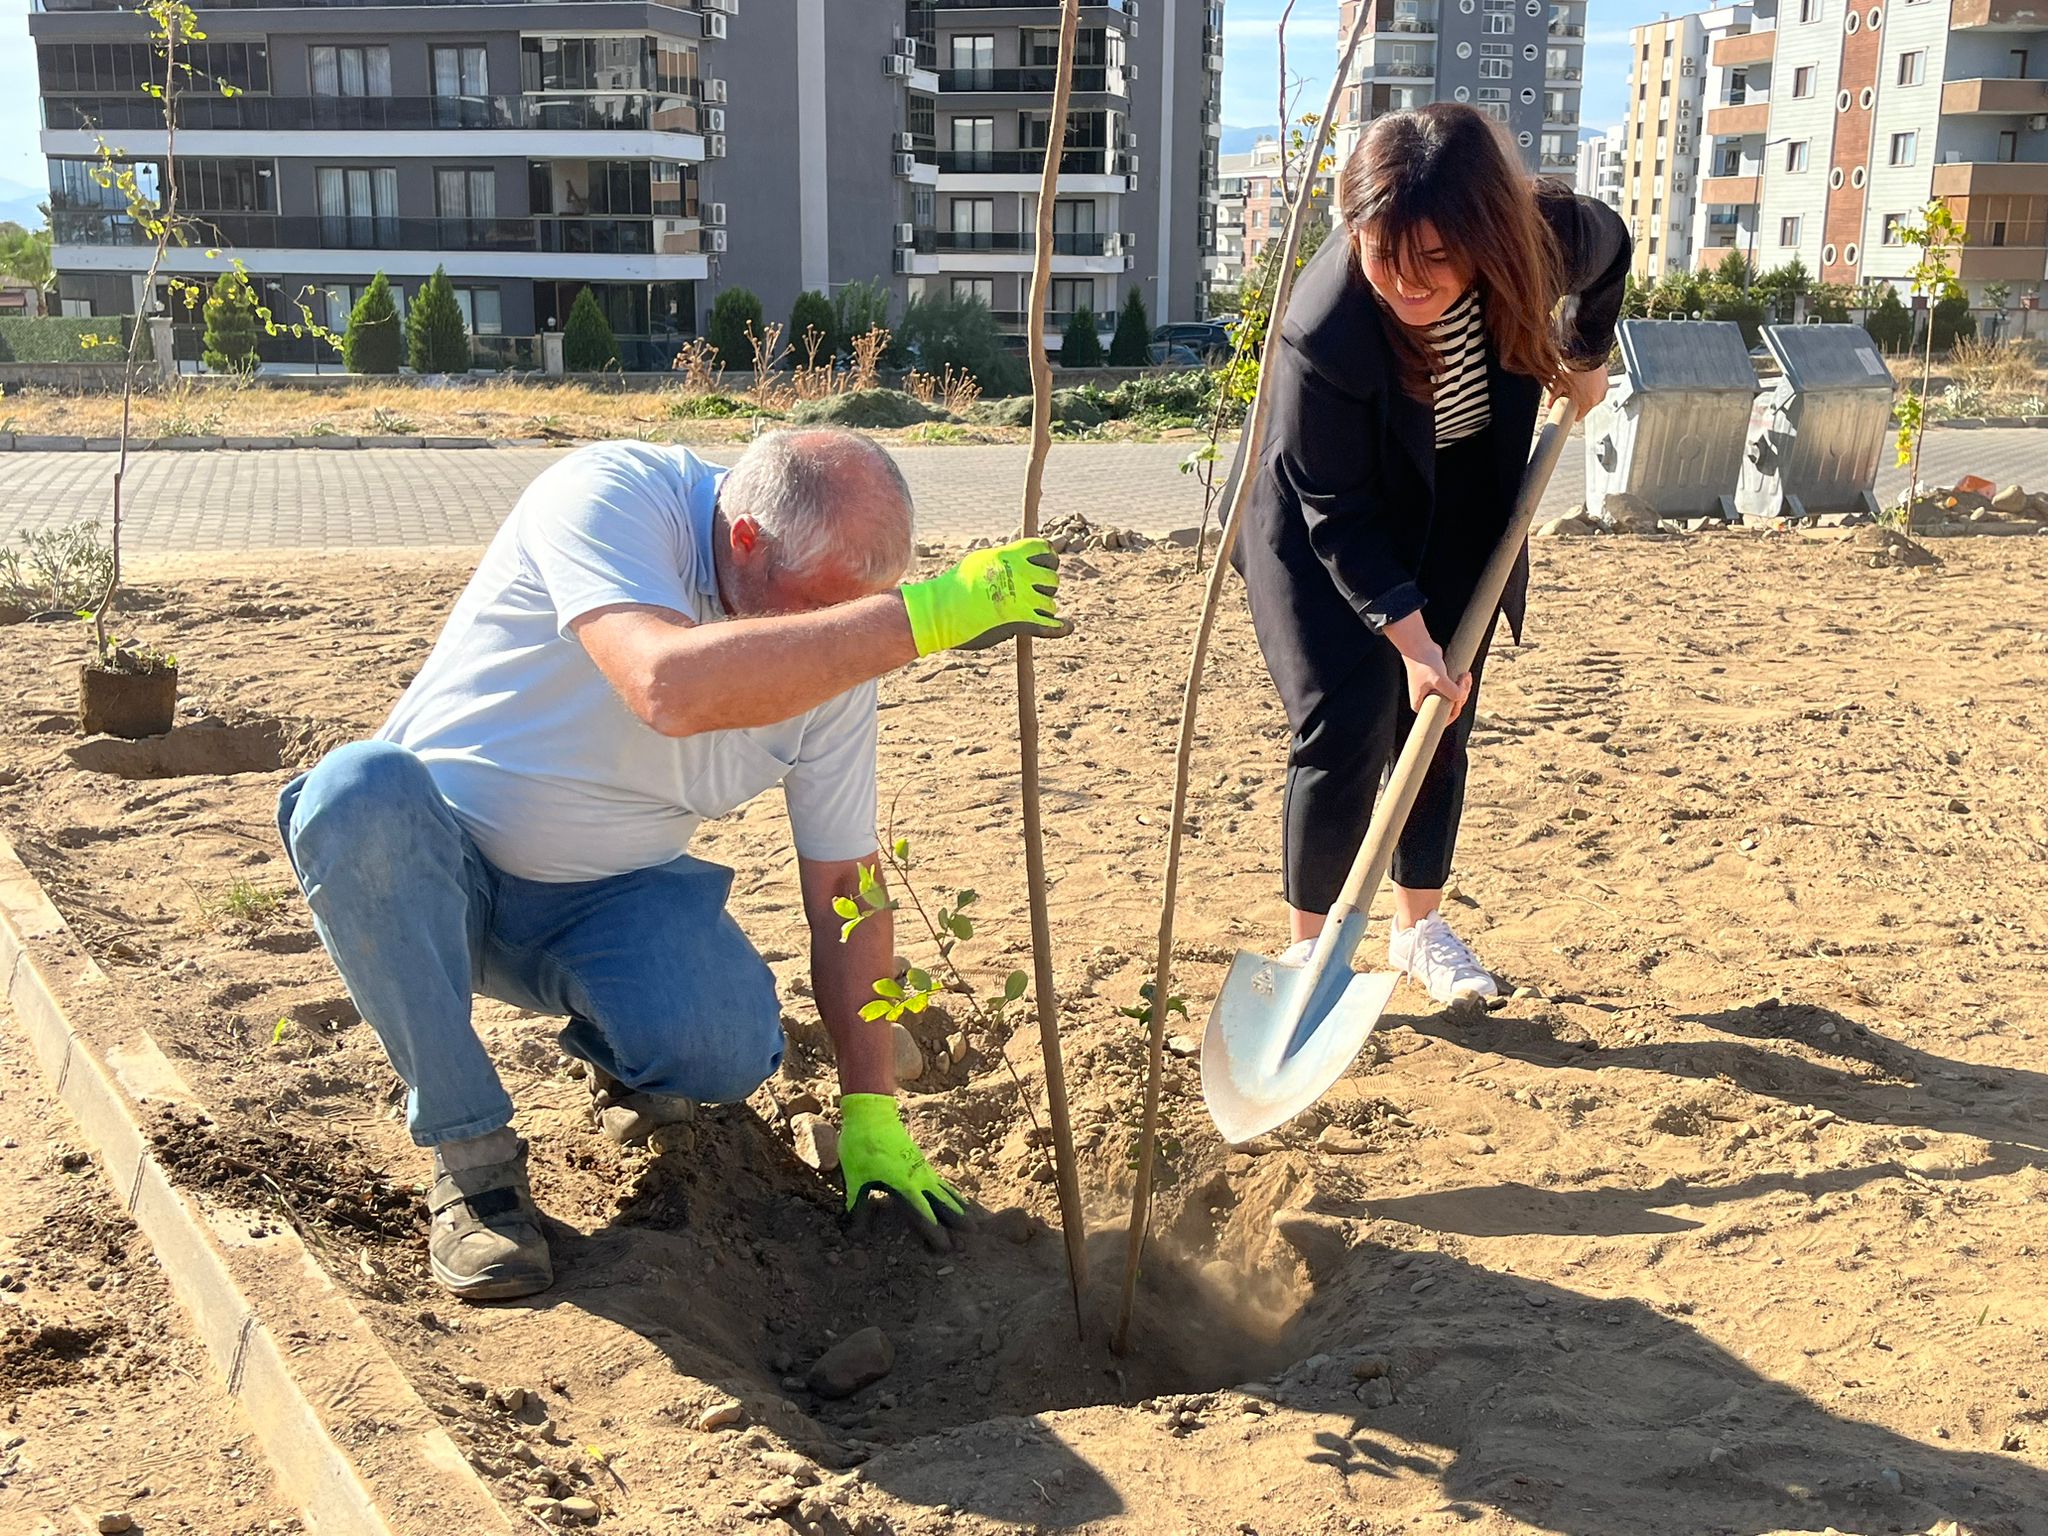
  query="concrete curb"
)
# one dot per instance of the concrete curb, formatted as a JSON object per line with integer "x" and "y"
{"x": 312, "y": 1377}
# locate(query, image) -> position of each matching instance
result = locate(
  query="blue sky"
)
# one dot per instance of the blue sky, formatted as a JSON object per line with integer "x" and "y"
{"x": 1250, "y": 80}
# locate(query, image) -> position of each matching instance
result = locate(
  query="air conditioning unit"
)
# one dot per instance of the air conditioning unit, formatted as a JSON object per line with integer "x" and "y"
{"x": 730, "y": 7}
{"x": 1131, "y": 9}
{"x": 906, "y": 234}
{"x": 1130, "y": 263}
{"x": 714, "y": 92}
{"x": 905, "y": 143}
{"x": 2038, "y": 122}
{"x": 714, "y": 26}
{"x": 714, "y": 146}
{"x": 907, "y": 47}
{"x": 718, "y": 242}
{"x": 901, "y": 262}
{"x": 714, "y": 119}
{"x": 1131, "y": 139}
{"x": 895, "y": 64}
{"x": 714, "y": 214}
{"x": 906, "y": 165}
{"x": 1134, "y": 165}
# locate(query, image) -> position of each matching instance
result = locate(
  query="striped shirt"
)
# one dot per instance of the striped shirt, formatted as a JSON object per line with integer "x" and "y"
{"x": 1459, "y": 382}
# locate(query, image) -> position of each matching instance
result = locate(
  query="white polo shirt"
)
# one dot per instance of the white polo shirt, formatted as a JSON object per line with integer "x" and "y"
{"x": 534, "y": 751}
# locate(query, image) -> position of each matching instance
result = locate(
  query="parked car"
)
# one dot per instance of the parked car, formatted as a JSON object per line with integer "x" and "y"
{"x": 1173, "y": 354}
{"x": 1209, "y": 340}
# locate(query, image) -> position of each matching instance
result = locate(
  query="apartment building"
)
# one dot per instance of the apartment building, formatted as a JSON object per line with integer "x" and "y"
{"x": 1521, "y": 61}
{"x": 655, "y": 152}
{"x": 1253, "y": 205}
{"x": 1668, "y": 62}
{"x": 1853, "y": 117}
{"x": 1603, "y": 168}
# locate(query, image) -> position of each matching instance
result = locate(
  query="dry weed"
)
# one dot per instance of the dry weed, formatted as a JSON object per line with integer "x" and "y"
{"x": 867, "y": 357}
{"x": 698, "y": 363}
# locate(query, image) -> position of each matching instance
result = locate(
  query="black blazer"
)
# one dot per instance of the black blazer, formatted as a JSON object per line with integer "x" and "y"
{"x": 1340, "y": 511}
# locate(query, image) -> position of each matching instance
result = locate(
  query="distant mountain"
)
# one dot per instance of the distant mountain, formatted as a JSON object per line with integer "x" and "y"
{"x": 18, "y": 203}
{"x": 1239, "y": 141}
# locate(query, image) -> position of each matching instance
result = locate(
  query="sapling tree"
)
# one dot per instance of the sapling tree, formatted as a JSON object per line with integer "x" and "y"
{"x": 1939, "y": 238}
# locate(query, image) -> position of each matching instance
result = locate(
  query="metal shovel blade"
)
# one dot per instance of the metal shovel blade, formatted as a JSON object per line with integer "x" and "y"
{"x": 1280, "y": 1035}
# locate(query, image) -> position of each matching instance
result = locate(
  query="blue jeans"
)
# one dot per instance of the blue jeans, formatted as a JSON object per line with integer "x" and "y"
{"x": 660, "y": 987}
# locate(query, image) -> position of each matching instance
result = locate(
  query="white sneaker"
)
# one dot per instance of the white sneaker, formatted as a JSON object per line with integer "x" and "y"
{"x": 1437, "y": 960}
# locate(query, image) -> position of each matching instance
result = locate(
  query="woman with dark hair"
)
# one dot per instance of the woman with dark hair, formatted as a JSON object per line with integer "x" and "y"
{"x": 1405, "y": 383}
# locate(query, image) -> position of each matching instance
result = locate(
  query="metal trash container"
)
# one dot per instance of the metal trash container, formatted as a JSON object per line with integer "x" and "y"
{"x": 1818, "y": 433}
{"x": 1671, "y": 431}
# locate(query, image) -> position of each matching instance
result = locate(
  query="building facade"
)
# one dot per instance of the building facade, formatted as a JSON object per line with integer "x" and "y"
{"x": 1666, "y": 89}
{"x": 1874, "y": 109}
{"x": 655, "y": 152}
{"x": 1521, "y": 61}
{"x": 1603, "y": 168}
{"x": 1253, "y": 206}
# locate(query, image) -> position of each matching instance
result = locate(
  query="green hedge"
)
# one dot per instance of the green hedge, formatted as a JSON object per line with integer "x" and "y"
{"x": 55, "y": 339}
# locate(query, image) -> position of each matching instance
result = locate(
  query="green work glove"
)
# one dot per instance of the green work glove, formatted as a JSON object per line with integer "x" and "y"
{"x": 991, "y": 596}
{"x": 875, "y": 1152}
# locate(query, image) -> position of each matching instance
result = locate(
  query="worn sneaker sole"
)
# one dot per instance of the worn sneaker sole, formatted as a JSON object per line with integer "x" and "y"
{"x": 489, "y": 1287}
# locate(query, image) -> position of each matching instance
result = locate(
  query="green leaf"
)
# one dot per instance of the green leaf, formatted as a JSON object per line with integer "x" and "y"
{"x": 918, "y": 981}
{"x": 917, "y": 1002}
{"x": 961, "y": 927}
{"x": 965, "y": 899}
{"x": 1014, "y": 985}
{"x": 846, "y": 928}
{"x": 875, "y": 1010}
{"x": 902, "y": 850}
{"x": 844, "y": 906}
{"x": 277, "y": 1035}
{"x": 888, "y": 987}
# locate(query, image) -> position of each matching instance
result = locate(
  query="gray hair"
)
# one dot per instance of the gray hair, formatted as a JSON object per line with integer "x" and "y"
{"x": 829, "y": 499}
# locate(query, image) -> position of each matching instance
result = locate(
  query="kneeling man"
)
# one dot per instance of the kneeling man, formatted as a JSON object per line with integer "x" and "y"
{"x": 650, "y": 640}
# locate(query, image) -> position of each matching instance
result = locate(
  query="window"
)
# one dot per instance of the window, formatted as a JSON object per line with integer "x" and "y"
{"x": 482, "y": 313}
{"x": 351, "y": 71}
{"x": 1809, "y": 10}
{"x": 1802, "y": 81}
{"x": 974, "y": 216}
{"x": 1913, "y": 67}
{"x": 2008, "y": 147}
{"x": 974, "y": 135}
{"x": 358, "y": 206}
{"x": 1795, "y": 155}
{"x": 924, "y": 120}
{"x": 465, "y": 194}
{"x": 974, "y": 52}
{"x": 1905, "y": 146}
{"x": 116, "y": 69}
{"x": 341, "y": 300}
{"x": 924, "y": 207}
{"x": 1070, "y": 295}
{"x": 1997, "y": 232}
{"x": 1495, "y": 93}
{"x": 2019, "y": 63}
{"x": 586, "y": 63}
{"x": 982, "y": 288}
{"x": 1496, "y": 69}
{"x": 1073, "y": 216}
{"x": 225, "y": 186}
{"x": 461, "y": 87}
{"x": 1894, "y": 223}
{"x": 1788, "y": 231}
{"x": 1496, "y": 50}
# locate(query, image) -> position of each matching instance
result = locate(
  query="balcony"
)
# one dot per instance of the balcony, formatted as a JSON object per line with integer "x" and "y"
{"x": 201, "y": 112}
{"x": 1994, "y": 98}
{"x": 1729, "y": 191}
{"x": 1564, "y": 117}
{"x": 2002, "y": 263}
{"x": 1991, "y": 178}
{"x": 1744, "y": 49}
{"x": 1406, "y": 19}
{"x": 1030, "y": 162}
{"x": 1566, "y": 29}
{"x": 1023, "y": 5}
{"x": 1998, "y": 15}
{"x": 1564, "y": 72}
{"x": 1734, "y": 121}
{"x": 1037, "y": 80}
{"x": 269, "y": 231}
{"x": 1025, "y": 242}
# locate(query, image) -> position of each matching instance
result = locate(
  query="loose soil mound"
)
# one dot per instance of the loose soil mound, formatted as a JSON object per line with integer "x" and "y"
{"x": 1727, "y": 1222}
{"x": 1887, "y": 548}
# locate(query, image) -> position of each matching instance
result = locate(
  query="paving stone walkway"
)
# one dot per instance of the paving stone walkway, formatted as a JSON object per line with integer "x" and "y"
{"x": 383, "y": 498}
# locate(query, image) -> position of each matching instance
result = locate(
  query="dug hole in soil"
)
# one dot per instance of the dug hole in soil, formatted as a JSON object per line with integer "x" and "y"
{"x": 1724, "y": 1224}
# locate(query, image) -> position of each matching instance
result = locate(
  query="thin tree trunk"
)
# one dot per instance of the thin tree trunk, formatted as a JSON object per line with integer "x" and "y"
{"x": 1044, "y": 995}
{"x": 1248, "y": 457}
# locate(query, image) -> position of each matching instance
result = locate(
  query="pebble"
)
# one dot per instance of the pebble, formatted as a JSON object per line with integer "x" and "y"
{"x": 1476, "y": 1144}
{"x": 1421, "y": 1285}
{"x": 1183, "y": 1045}
{"x": 797, "y": 1468}
{"x": 511, "y": 1399}
{"x": 956, "y": 1047}
{"x": 1892, "y": 1480}
{"x": 1377, "y": 1394}
{"x": 721, "y": 1415}
{"x": 580, "y": 1509}
{"x": 816, "y": 1141}
{"x": 540, "y": 1504}
{"x": 778, "y": 1496}
{"x": 114, "y": 1521}
{"x": 1369, "y": 1368}
{"x": 1909, "y": 1142}
{"x": 909, "y": 1054}
{"x": 854, "y": 1362}
{"x": 1336, "y": 1139}
{"x": 470, "y": 1385}
{"x": 803, "y": 1102}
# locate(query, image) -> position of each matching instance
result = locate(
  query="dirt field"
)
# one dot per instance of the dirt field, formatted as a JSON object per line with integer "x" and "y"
{"x": 1733, "y": 1222}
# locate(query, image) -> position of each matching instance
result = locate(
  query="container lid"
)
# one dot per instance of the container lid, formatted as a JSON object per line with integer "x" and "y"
{"x": 1828, "y": 357}
{"x": 1693, "y": 356}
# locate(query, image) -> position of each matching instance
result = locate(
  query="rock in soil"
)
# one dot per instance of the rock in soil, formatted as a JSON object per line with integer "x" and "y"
{"x": 854, "y": 1362}
{"x": 723, "y": 1415}
{"x": 816, "y": 1141}
{"x": 1566, "y": 528}
{"x": 909, "y": 1054}
{"x": 114, "y": 1521}
{"x": 583, "y": 1511}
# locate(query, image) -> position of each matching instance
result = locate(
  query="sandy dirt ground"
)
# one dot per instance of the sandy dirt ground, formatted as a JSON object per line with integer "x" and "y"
{"x": 1731, "y": 1220}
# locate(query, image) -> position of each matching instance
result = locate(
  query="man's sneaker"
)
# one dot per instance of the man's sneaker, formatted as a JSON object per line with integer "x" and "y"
{"x": 1436, "y": 959}
{"x": 486, "y": 1242}
{"x": 630, "y": 1117}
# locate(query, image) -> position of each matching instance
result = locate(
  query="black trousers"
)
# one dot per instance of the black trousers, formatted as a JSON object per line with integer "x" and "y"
{"x": 1338, "y": 760}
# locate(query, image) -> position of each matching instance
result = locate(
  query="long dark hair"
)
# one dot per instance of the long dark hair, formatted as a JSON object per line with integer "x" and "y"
{"x": 1453, "y": 166}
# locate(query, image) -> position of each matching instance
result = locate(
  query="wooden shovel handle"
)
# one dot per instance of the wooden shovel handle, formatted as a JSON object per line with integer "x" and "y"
{"x": 1390, "y": 816}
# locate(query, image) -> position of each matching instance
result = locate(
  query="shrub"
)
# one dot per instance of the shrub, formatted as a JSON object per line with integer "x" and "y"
{"x": 1131, "y": 346}
{"x": 1830, "y": 303}
{"x": 588, "y": 345}
{"x": 858, "y": 308}
{"x": 698, "y": 407}
{"x": 56, "y": 339}
{"x": 1889, "y": 323}
{"x": 1162, "y": 398}
{"x": 734, "y": 310}
{"x": 436, "y": 339}
{"x": 373, "y": 342}
{"x": 864, "y": 408}
{"x": 1953, "y": 322}
{"x": 956, "y": 330}
{"x": 56, "y": 570}
{"x": 231, "y": 327}
{"x": 1085, "y": 407}
{"x": 812, "y": 311}
{"x": 1080, "y": 346}
{"x": 1745, "y": 312}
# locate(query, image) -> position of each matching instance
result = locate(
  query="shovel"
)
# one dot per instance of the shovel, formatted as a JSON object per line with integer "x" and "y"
{"x": 1280, "y": 1035}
